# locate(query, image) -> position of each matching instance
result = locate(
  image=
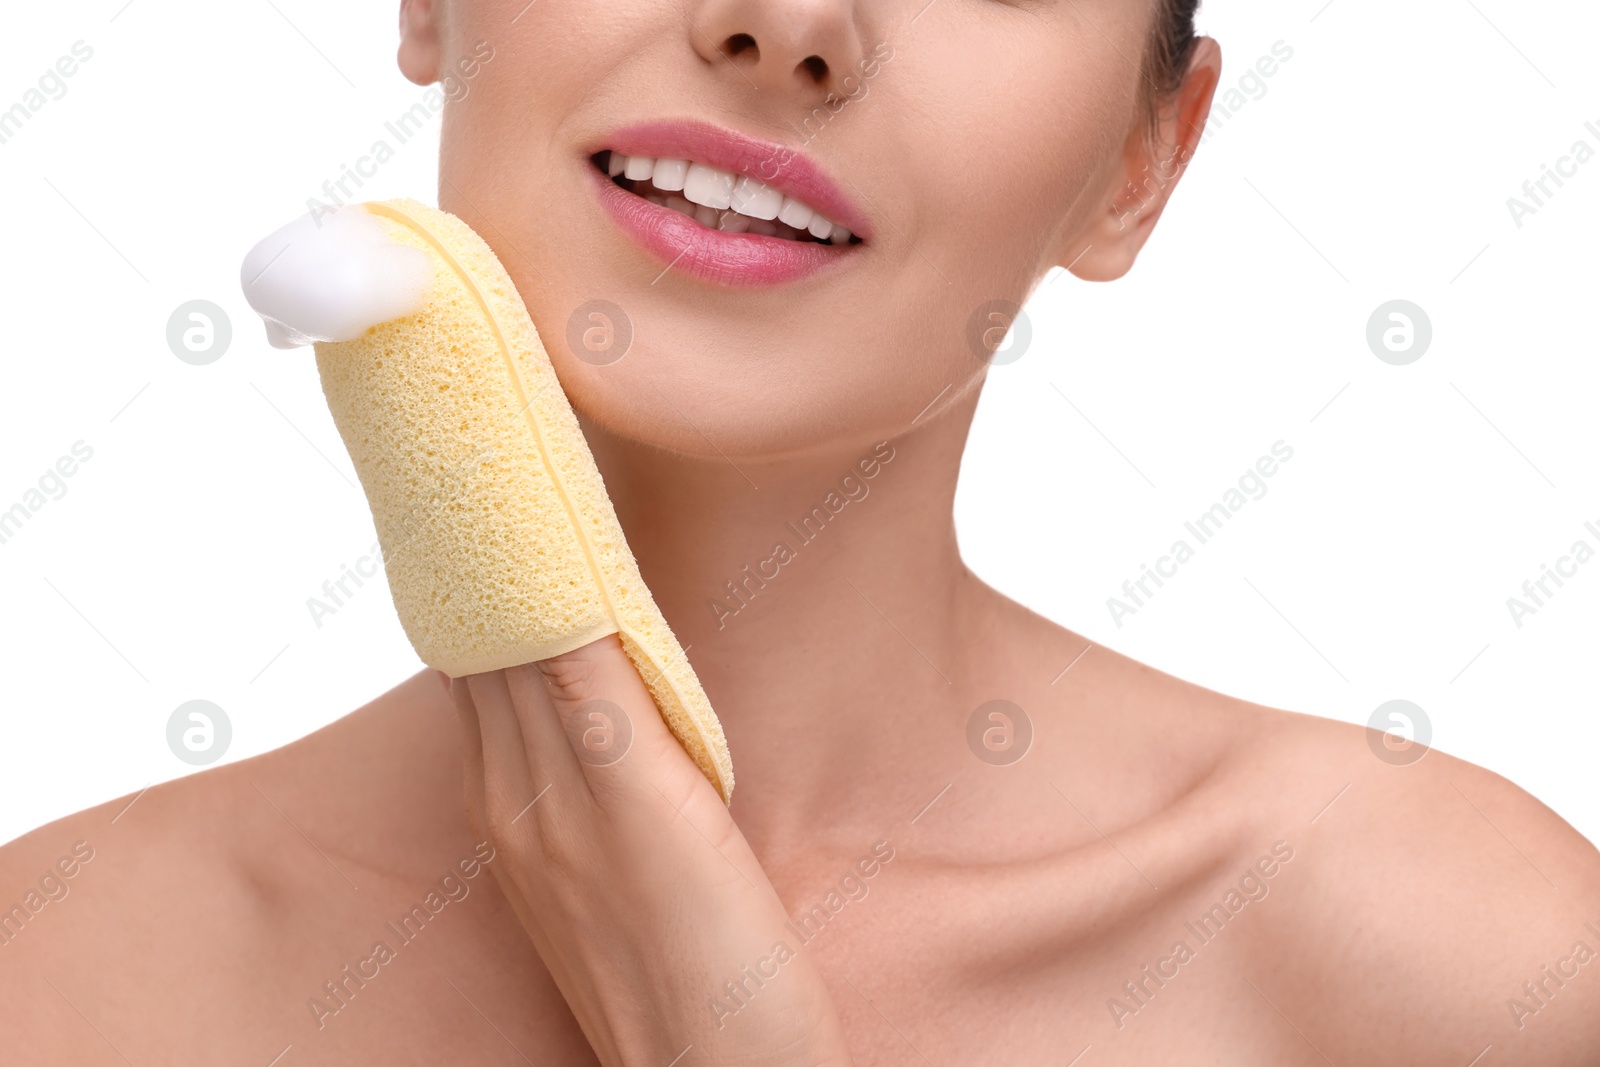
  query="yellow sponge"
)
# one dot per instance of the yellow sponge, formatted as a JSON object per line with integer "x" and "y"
{"x": 500, "y": 544}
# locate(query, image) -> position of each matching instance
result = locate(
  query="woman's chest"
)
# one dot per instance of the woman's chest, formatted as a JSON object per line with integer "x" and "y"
{"x": 927, "y": 962}
{"x": 918, "y": 977}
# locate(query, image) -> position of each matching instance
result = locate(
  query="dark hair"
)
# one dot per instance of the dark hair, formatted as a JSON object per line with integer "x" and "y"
{"x": 1172, "y": 40}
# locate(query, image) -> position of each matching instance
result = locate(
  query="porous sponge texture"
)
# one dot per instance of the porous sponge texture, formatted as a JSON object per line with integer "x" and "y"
{"x": 500, "y": 544}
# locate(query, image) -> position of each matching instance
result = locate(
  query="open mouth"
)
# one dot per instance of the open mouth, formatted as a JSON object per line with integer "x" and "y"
{"x": 719, "y": 199}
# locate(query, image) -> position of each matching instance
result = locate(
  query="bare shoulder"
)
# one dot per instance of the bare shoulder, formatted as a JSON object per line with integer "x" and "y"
{"x": 1434, "y": 912}
{"x": 111, "y": 901}
{"x": 198, "y": 887}
{"x": 1384, "y": 904}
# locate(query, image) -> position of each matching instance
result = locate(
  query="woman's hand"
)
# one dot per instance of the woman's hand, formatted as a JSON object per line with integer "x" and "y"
{"x": 629, "y": 874}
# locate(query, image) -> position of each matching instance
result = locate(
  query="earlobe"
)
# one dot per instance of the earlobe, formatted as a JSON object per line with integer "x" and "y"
{"x": 419, "y": 40}
{"x": 1150, "y": 171}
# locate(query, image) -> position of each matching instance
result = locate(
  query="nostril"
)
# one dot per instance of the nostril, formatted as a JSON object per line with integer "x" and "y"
{"x": 817, "y": 66}
{"x": 739, "y": 42}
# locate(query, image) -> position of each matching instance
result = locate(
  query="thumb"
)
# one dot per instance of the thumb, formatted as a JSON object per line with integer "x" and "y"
{"x": 613, "y": 724}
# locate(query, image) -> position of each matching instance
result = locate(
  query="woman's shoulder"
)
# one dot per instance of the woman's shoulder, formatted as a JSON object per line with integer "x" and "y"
{"x": 1382, "y": 788}
{"x": 176, "y": 889}
{"x": 107, "y": 906}
{"x": 66, "y": 872}
{"x": 1442, "y": 906}
{"x": 384, "y": 776}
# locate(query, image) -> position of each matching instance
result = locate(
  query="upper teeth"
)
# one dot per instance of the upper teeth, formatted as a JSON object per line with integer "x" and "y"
{"x": 724, "y": 191}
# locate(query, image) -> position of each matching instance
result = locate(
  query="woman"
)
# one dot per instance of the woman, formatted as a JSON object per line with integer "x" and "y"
{"x": 1110, "y": 866}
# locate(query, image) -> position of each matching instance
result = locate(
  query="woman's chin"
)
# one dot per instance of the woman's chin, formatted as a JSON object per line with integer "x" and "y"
{"x": 689, "y": 417}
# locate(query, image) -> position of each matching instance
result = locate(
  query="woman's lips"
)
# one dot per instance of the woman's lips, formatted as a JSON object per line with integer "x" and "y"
{"x": 718, "y": 255}
{"x": 732, "y": 259}
{"x": 783, "y": 167}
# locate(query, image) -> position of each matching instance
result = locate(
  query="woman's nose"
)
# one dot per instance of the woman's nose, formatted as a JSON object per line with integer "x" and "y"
{"x": 805, "y": 46}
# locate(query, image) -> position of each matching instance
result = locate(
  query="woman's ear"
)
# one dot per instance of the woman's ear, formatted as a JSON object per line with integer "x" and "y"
{"x": 1151, "y": 168}
{"x": 419, "y": 40}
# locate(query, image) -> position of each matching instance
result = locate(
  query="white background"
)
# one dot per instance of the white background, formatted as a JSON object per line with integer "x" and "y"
{"x": 1376, "y": 166}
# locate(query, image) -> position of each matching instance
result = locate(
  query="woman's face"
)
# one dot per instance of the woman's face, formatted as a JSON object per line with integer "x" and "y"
{"x": 981, "y": 142}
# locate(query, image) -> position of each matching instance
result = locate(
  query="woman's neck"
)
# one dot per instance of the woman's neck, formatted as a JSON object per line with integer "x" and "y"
{"x": 823, "y": 598}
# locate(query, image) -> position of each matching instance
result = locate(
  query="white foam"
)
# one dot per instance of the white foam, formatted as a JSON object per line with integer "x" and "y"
{"x": 332, "y": 278}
